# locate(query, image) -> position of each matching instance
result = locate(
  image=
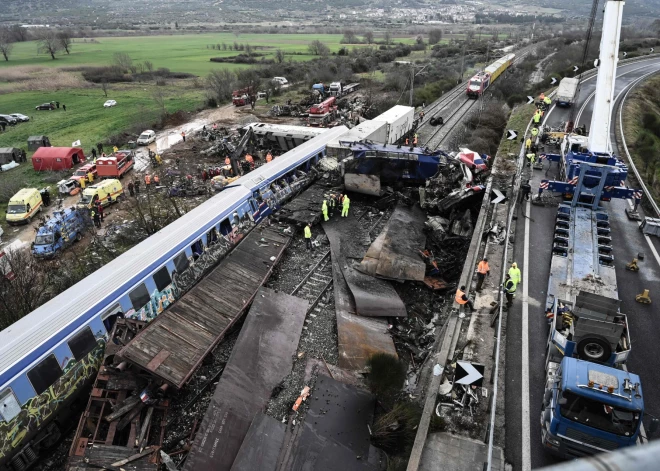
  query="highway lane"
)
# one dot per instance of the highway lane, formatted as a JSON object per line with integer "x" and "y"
{"x": 627, "y": 241}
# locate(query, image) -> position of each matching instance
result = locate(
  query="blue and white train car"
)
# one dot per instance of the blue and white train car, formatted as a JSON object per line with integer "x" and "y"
{"x": 51, "y": 355}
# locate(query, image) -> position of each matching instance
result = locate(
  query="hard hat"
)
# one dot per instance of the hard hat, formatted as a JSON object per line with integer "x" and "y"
{"x": 514, "y": 265}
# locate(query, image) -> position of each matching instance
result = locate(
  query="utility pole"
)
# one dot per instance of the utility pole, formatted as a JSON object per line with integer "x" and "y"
{"x": 412, "y": 79}
{"x": 462, "y": 62}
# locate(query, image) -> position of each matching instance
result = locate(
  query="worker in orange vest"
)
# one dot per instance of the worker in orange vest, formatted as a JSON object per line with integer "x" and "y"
{"x": 462, "y": 299}
{"x": 407, "y": 141}
{"x": 415, "y": 140}
{"x": 269, "y": 157}
{"x": 147, "y": 180}
{"x": 183, "y": 135}
{"x": 483, "y": 270}
{"x": 156, "y": 179}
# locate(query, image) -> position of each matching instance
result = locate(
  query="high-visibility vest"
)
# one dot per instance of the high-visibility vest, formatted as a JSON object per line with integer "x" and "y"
{"x": 528, "y": 143}
{"x": 514, "y": 273}
{"x": 324, "y": 207}
{"x": 547, "y": 100}
{"x": 537, "y": 117}
{"x": 459, "y": 297}
{"x": 483, "y": 267}
{"x": 535, "y": 132}
{"x": 147, "y": 179}
{"x": 308, "y": 232}
{"x": 510, "y": 287}
{"x": 347, "y": 202}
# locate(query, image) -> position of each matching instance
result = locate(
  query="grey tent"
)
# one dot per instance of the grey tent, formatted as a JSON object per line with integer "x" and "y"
{"x": 7, "y": 154}
{"x": 34, "y": 142}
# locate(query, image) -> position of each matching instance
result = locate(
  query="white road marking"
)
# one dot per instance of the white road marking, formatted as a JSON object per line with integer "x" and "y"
{"x": 526, "y": 425}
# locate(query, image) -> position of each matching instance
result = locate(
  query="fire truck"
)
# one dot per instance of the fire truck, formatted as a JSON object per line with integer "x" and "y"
{"x": 323, "y": 113}
{"x": 243, "y": 96}
{"x": 115, "y": 165}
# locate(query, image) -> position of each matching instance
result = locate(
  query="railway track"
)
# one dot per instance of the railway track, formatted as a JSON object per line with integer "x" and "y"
{"x": 316, "y": 282}
{"x": 458, "y": 105}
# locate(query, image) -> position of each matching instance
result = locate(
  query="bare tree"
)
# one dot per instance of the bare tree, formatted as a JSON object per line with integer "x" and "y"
{"x": 6, "y": 42}
{"x": 122, "y": 60}
{"x": 49, "y": 43}
{"x": 104, "y": 87}
{"x": 20, "y": 34}
{"x": 149, "y": 66}
{"x": 349, "y": 37}
{"x": 279, "y": 56}
{"x": 160, "y": 99}
{"x": 65, "y": 40}
{"x": 248, "y": 50}
{"x": 220, "y": 84}
{"x": 369, "y": 37}
{"x": 317, "y": 48}
{"x": 388, "y": 37}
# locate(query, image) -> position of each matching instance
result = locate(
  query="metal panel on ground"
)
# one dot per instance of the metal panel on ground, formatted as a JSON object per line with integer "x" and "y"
{"x": 373, "y": 297}
{"x": 261, "y": 447}
{"x": 358, "y": 338}
{"x": 176, "y": 342}
{"x": 395, "y": 253}
{"x": 261, "y": 358}
{"x": 335, "y": 434}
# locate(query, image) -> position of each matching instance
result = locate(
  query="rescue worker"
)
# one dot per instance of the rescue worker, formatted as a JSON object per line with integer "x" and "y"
{"x": 514, "y": 273}
{"x": 535, "y": 132}
{"x": 99, "y": 147}
{"x": 93, "y": 153}
{"x": 137, "y": 187}
{"x": 346, "y": 203}
{"x": 183, "y": 135}
{"x": 269, "y": 157}
{"x": 333, "y": 203}
{"x": 227, "y": 161}
{"x": 99, "y": 210}
{"x": 462, "y": 298}
{"x": 131, "y": 189}
{"x": 308, "y": 237}
{"x": 509, "y": 291}
{"x": 415, "y": 140}
{"x": 115, "y": 148}
{"x": 324, "y": 209}
{"x": 407, "y": 141}
{"x": 531, "y": 158}
{"x": 528, "y": 144}
{"x": 542, "y": 96}
{"x": 250, "y": 159}
{"x": 537, "y": 118}
{"x": 526, "y": 191}
{"x": 96, "y": 218}
{"x": 147, "y": 181}
{"x": 483, "y": 270}
{"x": 548, "y": 101}
{"x": 156, "y": 179}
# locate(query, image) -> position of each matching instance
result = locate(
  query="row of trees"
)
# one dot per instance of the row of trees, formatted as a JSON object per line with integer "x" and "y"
{"x": 49, "y": 41}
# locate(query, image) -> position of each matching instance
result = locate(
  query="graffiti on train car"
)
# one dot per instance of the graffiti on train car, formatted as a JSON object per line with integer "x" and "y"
{"x": 39, "y": 409}
{"x": 158, "y": 302}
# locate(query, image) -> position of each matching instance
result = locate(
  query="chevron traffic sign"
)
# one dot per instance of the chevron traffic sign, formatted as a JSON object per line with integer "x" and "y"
{"x": 625, "y": 53}
{"x": 530, "y": 100}
{"x": 469, "y": 373}
{"x": 553, "y": 81}
{"x": 499, "y": 196}
{"x": 511, "y": 135}
{"x": 575, "y": 68}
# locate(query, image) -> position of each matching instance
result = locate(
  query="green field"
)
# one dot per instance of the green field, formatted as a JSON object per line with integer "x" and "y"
{"x": 179, "y": 53}
{"x": 86, "y": 118}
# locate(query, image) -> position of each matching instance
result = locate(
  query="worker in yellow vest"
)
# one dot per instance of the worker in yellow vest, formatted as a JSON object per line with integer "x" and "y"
{"x": 514, "y": 273}
{"x": 528, "y": 144}
{"x": 345, "y": 205}
{"x": 308, "y": 237}
{"x": 535, "y": 132}
{"x": 324, "y": 209}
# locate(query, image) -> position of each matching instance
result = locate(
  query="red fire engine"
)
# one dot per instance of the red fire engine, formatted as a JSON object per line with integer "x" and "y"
{"x": 323, "y": 113}
{"x": 243, "y": 96}
{"x": 115, "y": 165}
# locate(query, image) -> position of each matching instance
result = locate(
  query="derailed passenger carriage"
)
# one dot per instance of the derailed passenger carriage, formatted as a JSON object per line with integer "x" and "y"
{"x": 52, "y": 355}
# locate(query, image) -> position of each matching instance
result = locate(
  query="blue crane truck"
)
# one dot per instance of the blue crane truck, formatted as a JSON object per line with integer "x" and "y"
{"x": 63, "y": 229}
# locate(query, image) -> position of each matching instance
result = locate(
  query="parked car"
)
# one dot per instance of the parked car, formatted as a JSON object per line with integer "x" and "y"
{"x": 146, "y": 138}
{"x": 109, "y": 103}
{"x": 20, "y": 117}
{"x": 45, "y": 106}
{"x": 281, "y": 80}
{"x": 7, "y": 119}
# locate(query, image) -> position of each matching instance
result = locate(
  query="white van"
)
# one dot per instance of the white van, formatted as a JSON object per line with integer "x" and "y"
{"x": 281, "y": 80}
{"x": 146, "y": 138}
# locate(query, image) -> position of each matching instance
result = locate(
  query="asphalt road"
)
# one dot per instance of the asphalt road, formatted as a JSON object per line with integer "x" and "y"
{"x": 526, "y": 375}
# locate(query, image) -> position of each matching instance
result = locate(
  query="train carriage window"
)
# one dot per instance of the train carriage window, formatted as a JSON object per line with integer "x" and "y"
{"x": 139, "y": 296}
{"x": 197, "y": 248}
{"x": 9, "y": 406}
{"x": 162, "y": 279}
{"x": 82, "y": 343}
{"x": 181, "y": 262}
{"x": 45, "y": 374}
{"x": 109, "y": 317}
{"x": 225, "y": 225}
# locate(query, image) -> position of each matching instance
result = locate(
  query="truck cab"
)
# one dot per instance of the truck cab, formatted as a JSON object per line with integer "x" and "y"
{"x": 59, "y": 232}
{"x": 590, "y": 408}
{"x": 23, "y": 206}
{"x": 87, "y": 173}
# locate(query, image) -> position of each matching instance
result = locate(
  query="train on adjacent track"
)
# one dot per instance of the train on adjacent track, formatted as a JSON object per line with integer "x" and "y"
{"x": 51, "y": 355}
{"x": 478, "y": 84}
